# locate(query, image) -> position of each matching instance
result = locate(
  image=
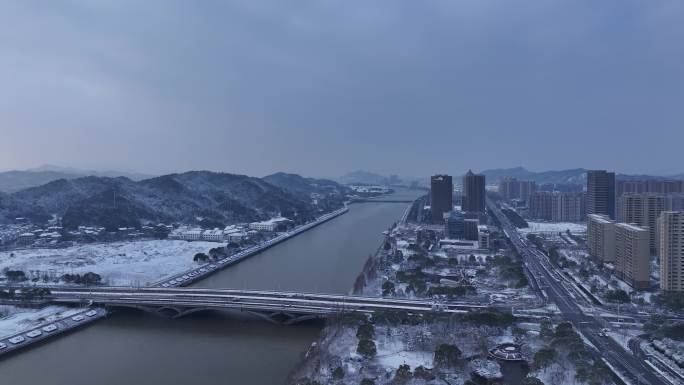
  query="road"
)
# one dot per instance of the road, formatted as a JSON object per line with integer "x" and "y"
{"x": 589, "y": 326}
{"x": 175, "y": 302}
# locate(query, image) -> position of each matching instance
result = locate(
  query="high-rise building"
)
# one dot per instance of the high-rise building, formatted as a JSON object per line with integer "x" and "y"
{"x": 601, "y": 237}
{"x": 632, "y": 257}
{"x": 671, "y": 250}
{"x": 541, "y": 205}
{"x": 473, "y": 193}
{"x": 470, "y": 229}
{"x": 649, "y": 186}
{"x": 557, "y": 206}
{"x": 441, "y": 196}
{"x": 511, "y": 188}
{"x": 601, "y": 192}
{"x": 454, "y": 226}
{"x": 674, "y": 202}
{"x": 643, "y": 210}
{"x": 568, "y": 207}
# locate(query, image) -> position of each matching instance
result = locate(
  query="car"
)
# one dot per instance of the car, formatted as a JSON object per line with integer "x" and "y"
{"x": 2, "y": 346}
{"x": 91, "y": 313}
{"x": 17, "y": 340}
{"x": 34, "y": 333}
{"x": 203, "y": 270}
{"x": 185, "y": 277}
{"x": 50, "y": 328}
{"x": 192, "y": 274}
{"x": 212, "y": 266}
{"x": 78, "y": 318}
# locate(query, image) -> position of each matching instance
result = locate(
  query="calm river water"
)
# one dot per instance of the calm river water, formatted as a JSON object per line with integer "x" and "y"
{"x": 214, "y": 348}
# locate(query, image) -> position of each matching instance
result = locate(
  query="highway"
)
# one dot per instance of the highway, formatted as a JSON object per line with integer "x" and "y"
{"x": 631, "y": 367}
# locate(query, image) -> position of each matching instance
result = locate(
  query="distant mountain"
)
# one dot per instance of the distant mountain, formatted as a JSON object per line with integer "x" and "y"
{"x": 193, "y": 197}
{"x": 11, "y": 181}
{"x": 575, "y": 176}
{"x": 363, "y": 177}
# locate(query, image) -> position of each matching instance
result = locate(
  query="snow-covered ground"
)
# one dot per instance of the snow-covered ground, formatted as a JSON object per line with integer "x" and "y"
{"x": 554, "y": 227}
{"x": 14, "y": 320}
{"x": 121, "y": 263}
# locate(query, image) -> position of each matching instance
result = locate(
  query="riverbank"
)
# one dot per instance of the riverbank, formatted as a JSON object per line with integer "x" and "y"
{"x": 67, "y": 323}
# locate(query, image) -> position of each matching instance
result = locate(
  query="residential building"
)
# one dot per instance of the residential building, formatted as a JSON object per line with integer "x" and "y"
{"x": 601, "y": 237}
{"x": 632, "y": 256}
{"x": 674, "y": 202}
{"x": 671, "y": 251}
{"x": 541, "y": 205}
{"x": 649, "y": 186}
{"x": 441, "y": 196}
{"x": 569, "y": 207}
{"x": 473, "y": 193}
{"x": 643, "y": 210}
{"x": 601, "y": 193}
{"x": 511, "y": 188}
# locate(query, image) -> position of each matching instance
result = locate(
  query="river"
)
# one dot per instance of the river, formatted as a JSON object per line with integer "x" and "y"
{"x": 216, "y": 348}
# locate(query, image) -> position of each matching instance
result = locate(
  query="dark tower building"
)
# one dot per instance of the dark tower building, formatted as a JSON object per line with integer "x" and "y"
{"x": 441, "y": 191}
{"x": 601, "y": 193}
{"x": 473, "y": 193}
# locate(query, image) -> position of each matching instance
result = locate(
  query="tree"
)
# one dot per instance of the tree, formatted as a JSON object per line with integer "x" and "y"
{"x": 619, "y": 296}
{"x": 424, "y": 373}
{"x": 532, "y": 381}
{"x": 403, "y": 372}
{"x": 544, "y": 357}
{"x": 388, "y": 288}
{"x": 447, "y": 355}
{"x": 338, "y": 373}
{"x": 367, "y": 348}
{"x": 15, "y": 275}
{"x": 367, "y": 381}
{"x": 200, "y": 257}
{"x": 365, "y": 331}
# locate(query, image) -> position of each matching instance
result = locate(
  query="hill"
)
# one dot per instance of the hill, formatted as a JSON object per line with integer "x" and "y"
{"x": 208, "y": 198}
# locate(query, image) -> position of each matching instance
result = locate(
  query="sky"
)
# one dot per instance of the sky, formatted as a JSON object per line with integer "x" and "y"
{"x": 325, "y": 87}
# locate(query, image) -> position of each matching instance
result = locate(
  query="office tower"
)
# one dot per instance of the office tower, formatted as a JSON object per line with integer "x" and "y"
{"x": 601, "y": 237}
{"x": 454, "y": 225}
{"x": 601, "y": 193}
{"x": 470, "y": 229}
{"x": 473, "y": 193}
{"x": 441, "y": 193}
{"x": 632, "y": 257}
{"x": 671, "y": 251}
{"x": 642, "y": 210}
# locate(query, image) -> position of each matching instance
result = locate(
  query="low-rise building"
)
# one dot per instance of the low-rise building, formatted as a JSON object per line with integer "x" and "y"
{"x": 271, "y": 225}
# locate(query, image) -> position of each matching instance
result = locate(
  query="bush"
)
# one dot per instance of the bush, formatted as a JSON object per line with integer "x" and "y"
{"x": 424, "y": 373}
{"x": 388, "y": 289}
{"x": 490, "y": 317}
{"x": 672, "y": 301}
{"x": 367, "y": 381}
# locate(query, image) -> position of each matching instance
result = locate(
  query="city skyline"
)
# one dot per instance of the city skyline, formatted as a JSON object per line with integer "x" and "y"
{"x": 255, "y": 89}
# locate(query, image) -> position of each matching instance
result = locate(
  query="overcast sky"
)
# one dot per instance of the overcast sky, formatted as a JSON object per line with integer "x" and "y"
{"x": 325, "y": 87}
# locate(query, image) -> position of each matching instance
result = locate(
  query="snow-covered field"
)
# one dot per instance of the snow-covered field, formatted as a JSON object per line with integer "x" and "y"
{"x": 14, "y": 320}
{"x": 554, "y": 227}
{"x": 122, "y": 263}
